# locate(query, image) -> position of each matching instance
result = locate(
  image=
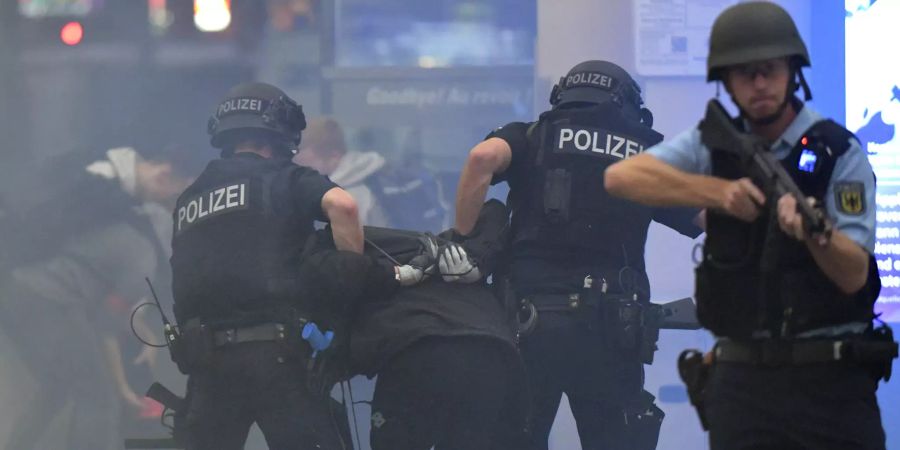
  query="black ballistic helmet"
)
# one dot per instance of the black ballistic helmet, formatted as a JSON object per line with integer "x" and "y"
{"x": 597, "y": 82}
{"x": 753, "y": 31}
{"x": 257, "y": 109}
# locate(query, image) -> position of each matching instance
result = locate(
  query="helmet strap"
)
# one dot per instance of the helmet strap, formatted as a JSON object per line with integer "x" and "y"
{"x": 807, "y": 94}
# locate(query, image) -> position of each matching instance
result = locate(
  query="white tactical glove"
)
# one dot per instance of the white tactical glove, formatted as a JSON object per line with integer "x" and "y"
{"x": 456, "y": 267}
{"x": 409, "y": 275}
{"x": 421, "y": 266}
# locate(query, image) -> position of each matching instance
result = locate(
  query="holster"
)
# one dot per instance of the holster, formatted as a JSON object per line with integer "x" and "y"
{"x": 652, "y": 317}
{"x": 695, "y": 374}
{"x": 883, "y": 347}
{"x": 644, "y": 421}
{"x": 622, "y": 322}
{"x": 192, "y": 347}
{"x": 629, "y": 325}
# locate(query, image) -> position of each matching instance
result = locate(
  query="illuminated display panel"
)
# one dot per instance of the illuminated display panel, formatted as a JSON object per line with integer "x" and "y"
{"x": 873, "y": 113}
{"x": 435, "y": 33}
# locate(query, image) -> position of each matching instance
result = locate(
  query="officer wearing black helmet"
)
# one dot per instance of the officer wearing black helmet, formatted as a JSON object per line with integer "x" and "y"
{"x": 239, "y": 232}
{"x": 577, "y": 258}
{"x": 797, "y": 362}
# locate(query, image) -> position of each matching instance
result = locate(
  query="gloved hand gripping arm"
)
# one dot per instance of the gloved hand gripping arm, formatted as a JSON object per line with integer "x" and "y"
{"x": 456, "y": 266}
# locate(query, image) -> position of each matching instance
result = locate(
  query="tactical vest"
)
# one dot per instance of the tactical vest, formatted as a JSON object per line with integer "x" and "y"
{"x": 754, "y": 277}
{"x": 235, "y": 252}
{"x": 563, "y": 204}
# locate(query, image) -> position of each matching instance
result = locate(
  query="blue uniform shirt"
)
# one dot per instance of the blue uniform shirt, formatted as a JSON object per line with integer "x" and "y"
{"x": 686, "y": 152}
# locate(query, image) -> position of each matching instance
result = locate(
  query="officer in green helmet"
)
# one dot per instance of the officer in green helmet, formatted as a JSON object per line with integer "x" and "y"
{"x": 797, "y": 360}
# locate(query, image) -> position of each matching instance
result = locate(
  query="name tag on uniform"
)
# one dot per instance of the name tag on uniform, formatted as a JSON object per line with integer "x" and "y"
{"x": 595, "y": 142}
{"x": 211, "y": 203}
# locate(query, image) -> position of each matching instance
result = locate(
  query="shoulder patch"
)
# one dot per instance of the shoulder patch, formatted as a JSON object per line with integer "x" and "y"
{"x": 849, "y": 198}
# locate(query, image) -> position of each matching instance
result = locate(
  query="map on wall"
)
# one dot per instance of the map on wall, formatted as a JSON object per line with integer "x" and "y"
{"x": 873, "y": 113}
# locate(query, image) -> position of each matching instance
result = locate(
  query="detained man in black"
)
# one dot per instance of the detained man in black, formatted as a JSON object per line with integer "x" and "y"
{"x": 449, "y": 374}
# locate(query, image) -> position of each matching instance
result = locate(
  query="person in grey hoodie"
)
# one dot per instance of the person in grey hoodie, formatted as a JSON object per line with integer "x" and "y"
{"x": 324, "y": 149}
{"x": 72, "y": 253}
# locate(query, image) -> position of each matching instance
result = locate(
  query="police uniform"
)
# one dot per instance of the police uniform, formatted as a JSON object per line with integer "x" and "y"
{"x": 239, "y": 232}
{"x": 818, "y": 406}
{"x": 569, "y": 236}
{"x": 797, "y": 361}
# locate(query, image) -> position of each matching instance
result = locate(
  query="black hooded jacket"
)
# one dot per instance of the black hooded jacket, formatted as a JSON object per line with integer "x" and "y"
{"x": 383, "y": 318}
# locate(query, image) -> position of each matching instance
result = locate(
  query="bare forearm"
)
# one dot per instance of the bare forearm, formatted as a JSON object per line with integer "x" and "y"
{"x": 347, "y": 233}
{"x": 470, "y": 197}
{"x": 486, "y": 159}
{"x": 843, "y": 261}
{"x": 343, "y": 214}
{"x": 645, "y": 179}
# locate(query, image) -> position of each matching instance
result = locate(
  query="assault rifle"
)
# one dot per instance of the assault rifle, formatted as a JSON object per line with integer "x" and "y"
{"x": 720, "y": 134}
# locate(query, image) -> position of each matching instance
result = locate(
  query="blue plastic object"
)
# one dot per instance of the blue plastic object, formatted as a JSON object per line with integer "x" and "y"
{"x": 317, "y": 340}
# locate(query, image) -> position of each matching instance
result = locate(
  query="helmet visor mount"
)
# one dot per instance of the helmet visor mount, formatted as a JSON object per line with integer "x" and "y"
{"x": 283, "y": 117}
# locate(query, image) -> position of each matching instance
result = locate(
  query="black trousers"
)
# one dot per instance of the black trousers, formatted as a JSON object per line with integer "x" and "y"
{"x": 453, "y": 393}
{"x": 821, "y": 407}
{"x": 256, "y": 382}
{"x": 604, "y": 386}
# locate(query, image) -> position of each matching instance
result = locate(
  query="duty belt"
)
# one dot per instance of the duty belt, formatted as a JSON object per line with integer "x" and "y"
{"x": 802, "y": 352}
{"x": 557, "y": 302}
{"x": 256, "y": 333}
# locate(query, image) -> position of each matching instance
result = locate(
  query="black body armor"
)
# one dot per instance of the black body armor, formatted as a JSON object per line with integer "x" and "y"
{"x": 236, "y": 252}
{"x": 564, "y": 205}
{"x": 754, "y": 277}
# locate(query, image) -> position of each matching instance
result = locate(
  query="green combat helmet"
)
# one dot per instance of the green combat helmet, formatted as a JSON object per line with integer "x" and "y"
{"x": 755, "y": 31}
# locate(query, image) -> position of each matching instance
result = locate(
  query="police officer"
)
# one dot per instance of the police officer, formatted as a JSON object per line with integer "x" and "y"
{"x": 238, "y": 236}
{"x": 797, "y": 362}
{"x": 577, "y": 253}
